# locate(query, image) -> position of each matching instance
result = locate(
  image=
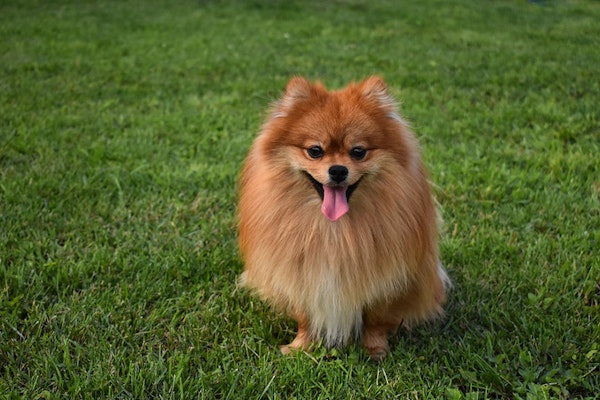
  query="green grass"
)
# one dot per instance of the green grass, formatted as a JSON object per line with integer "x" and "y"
{"x": 123, "y": 125}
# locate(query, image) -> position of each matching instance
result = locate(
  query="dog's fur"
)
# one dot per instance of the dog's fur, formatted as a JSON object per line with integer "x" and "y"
{"x": 359, "y": 269}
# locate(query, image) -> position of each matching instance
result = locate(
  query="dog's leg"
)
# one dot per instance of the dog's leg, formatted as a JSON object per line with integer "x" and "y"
{"x": 302, "y": 340}
{"x": 375, "y": 341}
{"x": 421, "y": 302}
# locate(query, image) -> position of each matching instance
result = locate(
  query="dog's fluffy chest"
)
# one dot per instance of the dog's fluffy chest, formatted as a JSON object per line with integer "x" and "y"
{"x": 335, "y": 314}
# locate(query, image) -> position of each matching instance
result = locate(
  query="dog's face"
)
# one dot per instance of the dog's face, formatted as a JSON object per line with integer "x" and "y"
{"x": 335, "y": 139}
{"x": 335, "y": 159}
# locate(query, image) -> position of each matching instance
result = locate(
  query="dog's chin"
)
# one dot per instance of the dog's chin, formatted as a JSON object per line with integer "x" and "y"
{"x": 318, "y": 186}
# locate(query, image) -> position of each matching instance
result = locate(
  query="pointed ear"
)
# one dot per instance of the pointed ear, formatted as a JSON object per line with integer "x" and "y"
{"x": 374, "y": 88}
{"x": 298, "y": 89}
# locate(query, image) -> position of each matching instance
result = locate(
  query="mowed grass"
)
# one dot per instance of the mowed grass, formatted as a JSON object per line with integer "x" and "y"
{"x": 123, "y": 125}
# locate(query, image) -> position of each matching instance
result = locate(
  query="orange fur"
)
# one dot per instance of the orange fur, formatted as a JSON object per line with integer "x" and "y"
{"x": 373, "y": 269}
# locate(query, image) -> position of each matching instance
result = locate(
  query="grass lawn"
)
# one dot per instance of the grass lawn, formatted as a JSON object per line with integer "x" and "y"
{"x": 123, "y": 125}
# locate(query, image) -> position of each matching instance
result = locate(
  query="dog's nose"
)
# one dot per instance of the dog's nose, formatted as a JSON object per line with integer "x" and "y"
{"x": 338, "y": 173}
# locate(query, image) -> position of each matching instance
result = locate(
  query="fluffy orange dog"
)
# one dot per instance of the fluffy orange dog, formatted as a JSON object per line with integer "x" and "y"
{"x": 338, "y": 226}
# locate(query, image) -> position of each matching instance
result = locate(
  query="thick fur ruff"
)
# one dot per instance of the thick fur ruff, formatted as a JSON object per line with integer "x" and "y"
{"x": 377, "y": 266}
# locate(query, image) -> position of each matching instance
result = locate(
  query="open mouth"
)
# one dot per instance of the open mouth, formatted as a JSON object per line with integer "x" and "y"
{"x": 335, "y": 198}
{"x": 319, "y": 186}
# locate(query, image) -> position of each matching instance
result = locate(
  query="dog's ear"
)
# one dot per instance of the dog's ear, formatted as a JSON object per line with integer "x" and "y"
{"x": 374, "y": 88}
{"x": 298, "y": 90}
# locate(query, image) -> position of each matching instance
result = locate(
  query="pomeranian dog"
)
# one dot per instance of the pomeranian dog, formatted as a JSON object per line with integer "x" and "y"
{"x": 337, "y": 223}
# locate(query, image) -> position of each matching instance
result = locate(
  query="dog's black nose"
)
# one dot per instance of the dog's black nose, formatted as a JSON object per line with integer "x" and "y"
{"x": 338, "y": 173}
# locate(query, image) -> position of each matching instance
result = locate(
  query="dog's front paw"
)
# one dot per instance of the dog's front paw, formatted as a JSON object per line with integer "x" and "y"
{"x": 300, "y": 343}
{"x": 287, "y": 350}
{"x": 376, "y": 344}
{"x": 377, "y": 353}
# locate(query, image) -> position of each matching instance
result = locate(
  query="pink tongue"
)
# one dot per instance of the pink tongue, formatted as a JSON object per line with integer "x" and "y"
{"x": 335, "y": 203}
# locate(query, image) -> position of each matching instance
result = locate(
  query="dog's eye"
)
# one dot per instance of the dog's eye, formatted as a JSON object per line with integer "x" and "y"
{"x": 358, "y": 153}
{"x": 315, "y": 152}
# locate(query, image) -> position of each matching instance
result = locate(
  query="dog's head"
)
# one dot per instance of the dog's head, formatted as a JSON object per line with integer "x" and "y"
{"x": 334, "y": 139}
